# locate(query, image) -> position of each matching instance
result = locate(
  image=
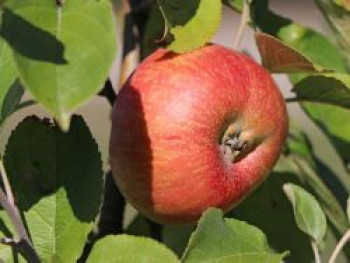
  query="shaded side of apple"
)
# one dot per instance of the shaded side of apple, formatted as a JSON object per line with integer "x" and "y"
{"x": 195, "y": 130}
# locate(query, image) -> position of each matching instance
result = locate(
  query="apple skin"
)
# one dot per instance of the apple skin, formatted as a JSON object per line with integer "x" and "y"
{"x": 169, "y": 122}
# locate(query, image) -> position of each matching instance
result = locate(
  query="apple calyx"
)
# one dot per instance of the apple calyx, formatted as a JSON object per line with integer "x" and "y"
{"x": 233, "y": 145}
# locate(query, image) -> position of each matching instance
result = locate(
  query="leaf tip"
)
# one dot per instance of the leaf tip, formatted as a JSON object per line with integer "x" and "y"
{"x": 64, "y": 121}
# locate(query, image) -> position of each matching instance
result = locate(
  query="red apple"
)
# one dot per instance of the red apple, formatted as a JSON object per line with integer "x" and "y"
{"x": 195, "y": 130}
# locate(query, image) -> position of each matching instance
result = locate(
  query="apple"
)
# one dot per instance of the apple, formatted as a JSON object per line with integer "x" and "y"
{"x": 195, "y": 130}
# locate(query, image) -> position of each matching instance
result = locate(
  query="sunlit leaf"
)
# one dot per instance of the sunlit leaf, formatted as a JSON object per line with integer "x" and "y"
{"x": 191, "y": 24}
{"x": 8, "y": 76}
{"x": 130, "y": 249}
{"x": 217, "y": 238}
{"x": 63, "y": 53}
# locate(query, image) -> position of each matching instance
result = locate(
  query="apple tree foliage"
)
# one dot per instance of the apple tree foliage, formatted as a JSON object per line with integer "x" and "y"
{"x": 61, "y": 52}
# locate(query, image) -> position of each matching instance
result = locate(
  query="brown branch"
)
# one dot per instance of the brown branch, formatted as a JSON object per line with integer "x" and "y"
{"x": 111, "y": 216}
{"x": 108, "y": 92}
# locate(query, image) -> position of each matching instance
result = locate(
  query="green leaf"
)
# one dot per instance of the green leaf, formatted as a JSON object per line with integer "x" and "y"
{"x": 216, "y": 237}
{"x": 298, "y": 143}
{"x": 267, "y": 21}
{"x": 63, "y": 53}
{"x": 249, "y": 257}
{"x": 57, "y": 181}
{"x": 306, "y": 41}
{"x": 328, "y": 201}
{"x": 269, "y": 209}
{"x": 308, "y": 213}
{"x": 331, "y": 119}
{"x": 24, "y": 104}
{"x": 330, "y": 88}
{"x": 153, "y": 33}
{"x": 311, "y": 44}
{"x": 317, "y": 178}
{"x": 338, "y": 17}
{"x": 6, "y": 255}
{"x": 191, "y": 23}
{"x": 8, "y": 75}
{"x": 11, "y": 101}
{"x": 280, "y": 58}
{"x": 130, "y": 249}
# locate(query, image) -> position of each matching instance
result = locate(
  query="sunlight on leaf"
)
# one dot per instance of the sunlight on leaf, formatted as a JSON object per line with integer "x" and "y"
{"x": 191, "y": 23}
{"x": 130, "y": 249}
{"x": 219, "y": 238}
{"x": 8, "y": 74}
{"x": 63, "y": 53}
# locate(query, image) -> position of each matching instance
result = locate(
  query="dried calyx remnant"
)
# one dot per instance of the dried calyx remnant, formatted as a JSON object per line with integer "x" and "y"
{"x": 233, "y": 145}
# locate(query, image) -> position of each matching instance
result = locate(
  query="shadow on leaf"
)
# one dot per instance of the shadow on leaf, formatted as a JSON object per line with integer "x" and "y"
{"x": 42, "y": 161}
{"x": 31, "y": 41}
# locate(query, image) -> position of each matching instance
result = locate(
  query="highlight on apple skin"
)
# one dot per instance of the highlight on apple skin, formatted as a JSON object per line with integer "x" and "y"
{"x": 195, "y": 130}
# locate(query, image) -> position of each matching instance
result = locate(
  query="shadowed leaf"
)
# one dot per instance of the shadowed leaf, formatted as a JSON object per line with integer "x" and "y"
{"x": 57, "y": 181}
{"x": 11, "y": 101}
{"x": 330, "y": 88}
